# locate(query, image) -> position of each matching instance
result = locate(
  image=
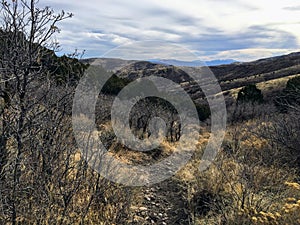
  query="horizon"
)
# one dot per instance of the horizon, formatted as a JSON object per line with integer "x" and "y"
{"x": 191, "y": 61}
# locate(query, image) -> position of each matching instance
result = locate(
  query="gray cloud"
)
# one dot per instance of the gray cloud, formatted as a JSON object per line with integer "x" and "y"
{"x": 253, "y": 37}
{"x": 292, "y": 8}
{"x": 99, "y": 26}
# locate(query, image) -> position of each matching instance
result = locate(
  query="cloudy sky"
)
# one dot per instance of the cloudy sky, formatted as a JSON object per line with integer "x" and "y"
{"x": 243, "y": 30}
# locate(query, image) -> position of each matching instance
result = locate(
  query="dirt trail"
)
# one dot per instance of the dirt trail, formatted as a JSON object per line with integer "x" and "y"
{"x": 161, "y": 204}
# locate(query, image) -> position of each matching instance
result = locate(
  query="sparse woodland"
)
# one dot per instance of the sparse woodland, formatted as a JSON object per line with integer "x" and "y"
{"x": 44, "y": 179}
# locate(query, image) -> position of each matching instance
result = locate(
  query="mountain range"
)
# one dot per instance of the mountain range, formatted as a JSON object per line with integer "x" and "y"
{"x": 175, "y": 62}
{"x": 114, "y": 64}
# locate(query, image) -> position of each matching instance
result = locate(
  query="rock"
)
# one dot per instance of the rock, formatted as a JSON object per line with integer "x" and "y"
{"x": 143, "y": 208}
{"x": 134, "y": 208}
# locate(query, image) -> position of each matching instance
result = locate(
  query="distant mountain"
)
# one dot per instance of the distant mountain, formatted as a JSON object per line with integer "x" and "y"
{"x": 220, "y": 62}
{"x": 114, "y": 64}
{"x": 175, "y": 62}
{"x": 195, "y": 63}
{"x": 144, "y": 69}
{"x": 110, "y": 64}
{"x": 268, "y": 68}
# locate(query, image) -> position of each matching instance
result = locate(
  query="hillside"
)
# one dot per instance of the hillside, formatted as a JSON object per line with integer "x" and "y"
{"x": 231, "y": 77}
{"x": 224, "y": 72}
{"x": 247, "y": 181}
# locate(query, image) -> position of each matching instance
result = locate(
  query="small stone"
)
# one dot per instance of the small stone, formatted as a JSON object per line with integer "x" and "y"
{"x": 143, "y": 209}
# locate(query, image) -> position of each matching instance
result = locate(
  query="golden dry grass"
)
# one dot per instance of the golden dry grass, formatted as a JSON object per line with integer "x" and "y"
{"x": 274, "y": 85}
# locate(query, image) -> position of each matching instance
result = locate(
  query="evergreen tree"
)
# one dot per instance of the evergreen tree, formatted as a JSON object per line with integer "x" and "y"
{"x": 250, "y": 93}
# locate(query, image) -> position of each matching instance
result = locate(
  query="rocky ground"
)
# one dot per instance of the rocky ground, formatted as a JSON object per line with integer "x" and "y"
{"x": 164, "y": 203}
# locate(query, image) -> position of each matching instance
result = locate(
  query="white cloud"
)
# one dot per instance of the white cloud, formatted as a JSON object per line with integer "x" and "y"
{"x": 116, "y": 39}
{"x": 244, "y": 55}
{"x": 249, "y": 28}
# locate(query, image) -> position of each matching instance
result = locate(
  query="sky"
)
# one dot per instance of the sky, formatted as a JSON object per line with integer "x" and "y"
{"x": 211, "y": 29}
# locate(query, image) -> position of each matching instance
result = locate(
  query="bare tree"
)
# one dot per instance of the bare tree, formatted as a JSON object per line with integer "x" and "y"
{"x": 25, "y": 34}
{"x": 43, "y": 178}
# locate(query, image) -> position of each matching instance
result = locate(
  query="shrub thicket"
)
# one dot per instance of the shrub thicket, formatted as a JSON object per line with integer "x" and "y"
{"x": 290, "y": 96}
{"x": 250, "y": 93}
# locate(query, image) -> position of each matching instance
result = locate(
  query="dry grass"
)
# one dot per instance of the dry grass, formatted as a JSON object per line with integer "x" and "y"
{"x": 267, "y": 87}
{"x": 245, "y": 181}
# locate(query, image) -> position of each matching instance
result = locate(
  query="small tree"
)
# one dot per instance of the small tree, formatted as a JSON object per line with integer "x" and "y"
{"x": 289, "y": 98}
{"x": 203, "y": 111}
{"x": 250, "y": 93}
{"x": 114, "y": 85}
